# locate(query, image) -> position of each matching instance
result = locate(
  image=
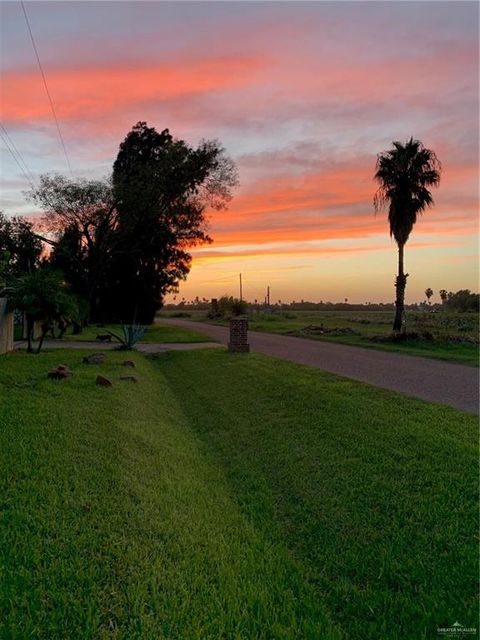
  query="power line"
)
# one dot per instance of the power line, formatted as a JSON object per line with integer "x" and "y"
{"x": 16, "y": 160}
{"x": 12, "y": 144}
{"x": 46, "y": 87}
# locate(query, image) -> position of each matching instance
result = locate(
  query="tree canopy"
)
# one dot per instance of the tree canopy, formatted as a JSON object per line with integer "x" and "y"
{"x": 123, "y": 243}
{"x": 23, "y": 246}
{"x": 404, "y": 174}
{"x": 163, "y": 189}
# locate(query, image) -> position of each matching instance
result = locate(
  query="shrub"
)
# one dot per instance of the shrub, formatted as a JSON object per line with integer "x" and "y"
{"x": 131, "y": 335}
{"x": 230, "y": 306}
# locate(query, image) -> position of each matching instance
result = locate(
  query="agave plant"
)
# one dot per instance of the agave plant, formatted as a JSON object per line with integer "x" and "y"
{"x": 131, "y": 335}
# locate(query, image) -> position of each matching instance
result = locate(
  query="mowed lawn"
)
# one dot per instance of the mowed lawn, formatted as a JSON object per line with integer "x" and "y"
{"x": 154, "y": 333}
{"x": 229, "y": 496}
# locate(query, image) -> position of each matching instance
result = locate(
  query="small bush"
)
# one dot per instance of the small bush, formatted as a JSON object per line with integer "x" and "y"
{"x": 229, "y": 306}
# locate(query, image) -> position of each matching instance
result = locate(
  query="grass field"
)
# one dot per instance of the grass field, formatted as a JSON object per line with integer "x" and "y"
{"x": 154, "y": 333}
{"x": 189, "y": 507}
{"x": 454, "y": 335}
{"x": 446, "y": 331}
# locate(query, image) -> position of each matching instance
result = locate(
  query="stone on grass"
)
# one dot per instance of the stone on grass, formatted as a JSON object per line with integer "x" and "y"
{"x": 103, "y": 382}
{"x": 129, "y": 378}
{"x": 63, "y": 367}
{"x": 94, "y": 358}
{"x": 128, "y": 363}
{"x": 60, "y": 372}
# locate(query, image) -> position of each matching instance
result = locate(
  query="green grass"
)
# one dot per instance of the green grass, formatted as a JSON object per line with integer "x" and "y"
{"x": 460, "y": 353}
{"x": 373, "y": 493}
{"x": 369, "y": 324}
{"x": 115, "y": 522}
{"x": 229, "y": 496}
{"x": 154, "y": 333}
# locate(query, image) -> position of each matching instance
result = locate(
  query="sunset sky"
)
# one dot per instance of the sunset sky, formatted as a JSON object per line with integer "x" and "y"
{"x": 303, "y": 95}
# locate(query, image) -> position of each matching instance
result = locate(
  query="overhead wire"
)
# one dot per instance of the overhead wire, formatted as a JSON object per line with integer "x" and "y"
{"x": 25, "y": 173}
{"x": 52, "y": 107}
{"x": 251, "y": 293}
{"x": 25, "y": 170}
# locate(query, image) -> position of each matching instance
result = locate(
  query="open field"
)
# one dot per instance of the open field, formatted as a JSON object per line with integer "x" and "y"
{"x": 454, "y": 336}
{"x": 187, "y": 507}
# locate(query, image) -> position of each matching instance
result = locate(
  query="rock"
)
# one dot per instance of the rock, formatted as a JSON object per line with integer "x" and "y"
{"x": 63, "y": 367}
{"x": 129, "y": 378}
{"x": 55, "y": 374}
{"x": 128, "y": 363}
{"x": 94, "y": 358}
{"x": 103, "y": 382}
{"x": 60, "y": 372}
{"x": 104, "y": 337}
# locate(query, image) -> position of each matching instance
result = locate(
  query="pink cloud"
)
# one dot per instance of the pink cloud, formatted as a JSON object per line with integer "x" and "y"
{"x": 93, "y": 91}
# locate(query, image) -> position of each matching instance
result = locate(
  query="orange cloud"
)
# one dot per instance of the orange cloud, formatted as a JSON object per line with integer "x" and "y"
{"x": 212, "y": 255}
{"x": 97, "y": 90}
{"x": 332, "y": 204}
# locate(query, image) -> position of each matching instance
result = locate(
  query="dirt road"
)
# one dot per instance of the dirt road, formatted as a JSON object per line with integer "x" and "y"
{"x": 432, "y": 380}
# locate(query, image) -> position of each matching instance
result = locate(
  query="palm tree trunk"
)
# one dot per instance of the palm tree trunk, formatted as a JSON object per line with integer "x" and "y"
{"x": 45, "y": 329}
{"x": 400, "y": 285}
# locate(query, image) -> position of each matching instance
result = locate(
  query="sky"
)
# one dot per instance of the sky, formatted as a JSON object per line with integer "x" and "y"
{"x": 302, "y": 95}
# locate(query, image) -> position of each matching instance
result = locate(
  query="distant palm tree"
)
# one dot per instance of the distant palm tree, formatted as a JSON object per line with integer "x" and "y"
{"x": 404, "y": 173}
{"x": 428, "y": 294}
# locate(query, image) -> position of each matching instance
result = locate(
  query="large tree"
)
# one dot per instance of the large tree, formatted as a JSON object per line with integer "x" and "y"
{"x": 80, "y": 217}
{"x": 404, "y": 174}
{"x": 123, "y": 244}
{"x": 163, "y": 189}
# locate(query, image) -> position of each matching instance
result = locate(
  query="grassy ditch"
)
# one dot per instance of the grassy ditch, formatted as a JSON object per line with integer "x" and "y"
{"x": 229, "y": 496}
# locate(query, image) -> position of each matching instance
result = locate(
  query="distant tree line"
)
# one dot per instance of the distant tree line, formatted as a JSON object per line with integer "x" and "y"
{"x": 461, "y": 301}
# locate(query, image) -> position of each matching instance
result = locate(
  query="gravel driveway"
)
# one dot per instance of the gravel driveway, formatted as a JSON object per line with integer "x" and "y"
{"x": 432, "y": 380}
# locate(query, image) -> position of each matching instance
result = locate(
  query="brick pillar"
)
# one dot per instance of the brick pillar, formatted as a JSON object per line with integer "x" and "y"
{"x": 238, "y": 336}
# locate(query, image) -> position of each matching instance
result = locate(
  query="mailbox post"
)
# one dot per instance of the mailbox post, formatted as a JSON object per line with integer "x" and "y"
{"x": 238, "y": 336}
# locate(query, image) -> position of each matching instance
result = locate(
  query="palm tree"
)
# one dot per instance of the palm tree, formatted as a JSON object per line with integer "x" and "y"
{"x": 404, "y": 174}
{"x": 43, "y": 297}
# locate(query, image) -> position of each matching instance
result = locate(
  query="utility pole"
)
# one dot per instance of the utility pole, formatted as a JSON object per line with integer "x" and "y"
{"x": 241, "y": 292}
{"x": 268, "y": 296}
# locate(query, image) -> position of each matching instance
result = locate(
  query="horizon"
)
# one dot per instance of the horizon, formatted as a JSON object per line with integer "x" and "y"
{"x": 286, "y": 303}
{"x": 302, "y": 96}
